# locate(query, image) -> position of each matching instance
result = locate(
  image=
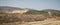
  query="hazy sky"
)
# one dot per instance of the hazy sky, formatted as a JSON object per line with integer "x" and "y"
{"x": 35, "y": 4}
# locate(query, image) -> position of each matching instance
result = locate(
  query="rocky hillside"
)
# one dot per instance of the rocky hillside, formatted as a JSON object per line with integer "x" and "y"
{"x": 30, "y": 16}
{"x": 7, "y": 18}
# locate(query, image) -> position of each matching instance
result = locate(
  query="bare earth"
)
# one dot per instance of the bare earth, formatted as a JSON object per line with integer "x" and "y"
{"x": 34, "y": 23}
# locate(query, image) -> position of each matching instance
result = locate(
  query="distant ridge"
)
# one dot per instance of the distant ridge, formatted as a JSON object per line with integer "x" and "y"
{"x": 8, "y": 7}
{"x": 4, "y": 9}
{"x": 30, "y": 11}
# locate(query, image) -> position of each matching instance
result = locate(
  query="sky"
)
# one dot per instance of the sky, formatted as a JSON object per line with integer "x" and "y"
{"x": 33, "y": 4}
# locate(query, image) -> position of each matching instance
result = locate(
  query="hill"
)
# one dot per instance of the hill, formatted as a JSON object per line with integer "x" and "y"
{"x": 29, "y": 16}
{"x": 4, "y": 9}
{"x": 7, "y": 9}
{"x": 45, "y": 11}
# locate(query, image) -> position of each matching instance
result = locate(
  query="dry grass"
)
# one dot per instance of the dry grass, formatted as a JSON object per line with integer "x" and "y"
{"x": 7, "y": 18}
{"x": 20, "y": 19}
{"x": 53, "y": 23}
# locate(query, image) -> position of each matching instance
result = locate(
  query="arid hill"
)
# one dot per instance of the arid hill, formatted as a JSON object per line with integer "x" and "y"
{"x": 7, "y": 9}
{"x": 29, "y": 16}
